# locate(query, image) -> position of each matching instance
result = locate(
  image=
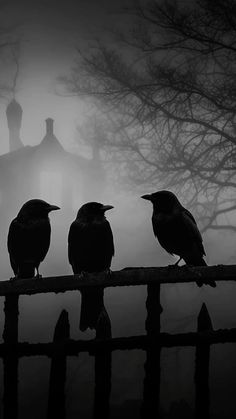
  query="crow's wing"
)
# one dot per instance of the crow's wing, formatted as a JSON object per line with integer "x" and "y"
{"x": 90, "y": 246}
{"x": 13, "y": 245}
{"x": 177, "y": 232}
{"x": 28, "y": 242}
{"x": 191, "y": 229}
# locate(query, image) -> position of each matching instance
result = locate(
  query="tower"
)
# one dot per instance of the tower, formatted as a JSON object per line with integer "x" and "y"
{"x": 49, "y": 127}
{"x": 50, "y": 142}
{"x": 14, "y": 118}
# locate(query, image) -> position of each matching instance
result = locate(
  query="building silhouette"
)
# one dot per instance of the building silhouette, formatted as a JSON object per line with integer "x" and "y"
{"x": 46, "y": 171}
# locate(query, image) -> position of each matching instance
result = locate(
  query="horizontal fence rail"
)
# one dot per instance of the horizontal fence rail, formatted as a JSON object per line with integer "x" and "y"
{"x": 164, "y": 340}
{"x": 126, "y": 277}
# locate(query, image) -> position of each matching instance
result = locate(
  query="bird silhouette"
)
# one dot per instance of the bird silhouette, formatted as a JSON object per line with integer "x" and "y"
{"x": 176, "y": 230}
{"x": 29, "y": 237}
{"x": 90, "y": 249}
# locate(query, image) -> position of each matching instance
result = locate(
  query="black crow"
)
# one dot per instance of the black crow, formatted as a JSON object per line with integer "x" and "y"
{"x": 176, "y": 230}
{"x": 90, "y": 249}
{"x": 29, "y": 237}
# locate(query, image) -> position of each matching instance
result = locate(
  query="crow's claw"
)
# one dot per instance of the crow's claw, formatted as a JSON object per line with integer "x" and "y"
{"x": 108, "y": 271}
{"x": 83, "y": 274}
{"x": 199, "y": 283}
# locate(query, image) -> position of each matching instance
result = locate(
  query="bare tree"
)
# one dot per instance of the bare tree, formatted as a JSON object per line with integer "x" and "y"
{"x": 166, "y": 86}
{"x": 10, "y": 40}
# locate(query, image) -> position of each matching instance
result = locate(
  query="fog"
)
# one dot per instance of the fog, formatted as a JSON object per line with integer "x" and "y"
{"x": 135, "y": 245}
{"x": 47, "y": 51}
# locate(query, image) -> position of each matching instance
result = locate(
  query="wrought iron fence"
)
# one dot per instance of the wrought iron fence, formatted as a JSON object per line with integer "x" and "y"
{"x": 103, "y": 345}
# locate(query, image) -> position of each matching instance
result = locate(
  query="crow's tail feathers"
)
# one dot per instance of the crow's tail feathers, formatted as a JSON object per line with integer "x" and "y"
{"x": 200, "y": 283}
{"x": 91, "y": 308}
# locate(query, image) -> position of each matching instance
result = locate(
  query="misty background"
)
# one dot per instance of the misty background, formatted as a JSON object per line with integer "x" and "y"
{"x": 46, "y": 43}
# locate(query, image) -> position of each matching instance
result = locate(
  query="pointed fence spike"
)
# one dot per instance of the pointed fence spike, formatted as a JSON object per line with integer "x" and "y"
{"x": 204, "y": 321}
{"x": 62, "y": 329}
{"x": 202, "y": 391}
{"x": 57, "y": 380}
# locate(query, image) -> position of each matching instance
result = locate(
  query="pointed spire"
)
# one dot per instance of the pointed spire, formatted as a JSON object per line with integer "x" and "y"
{"x": 49, "y": 126}
{"x": 14, "y": 118}
{"x": 50, "y": 141}
{"x": 14, "y": 114}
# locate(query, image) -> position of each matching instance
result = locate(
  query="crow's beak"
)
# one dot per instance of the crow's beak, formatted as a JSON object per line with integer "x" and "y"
{"x": 53, "y": 208}
{"x": 106, "y": 207}
{"x": 147, "y": 197}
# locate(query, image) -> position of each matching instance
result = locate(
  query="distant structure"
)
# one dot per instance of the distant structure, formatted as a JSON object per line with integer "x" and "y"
{"x": 14, "y": 118}
{"x": 45, "y": 171}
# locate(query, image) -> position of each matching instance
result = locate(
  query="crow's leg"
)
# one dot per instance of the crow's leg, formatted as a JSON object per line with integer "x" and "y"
{"x": 38, "y": 276}
{"x": 13, "y": 278}
{"x": 83, "y": 274}
{"x": 108, "y": 271}
{"x": 177, "y": 263}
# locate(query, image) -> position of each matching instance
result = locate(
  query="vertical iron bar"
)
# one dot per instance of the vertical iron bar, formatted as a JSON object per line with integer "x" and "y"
{"x": 202, "y": 400}
{"x": 103, "y": 367}
{"x": 56, "y": 397}
{"x": 10, "y": 361}
{"x": 152, "y": 367}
